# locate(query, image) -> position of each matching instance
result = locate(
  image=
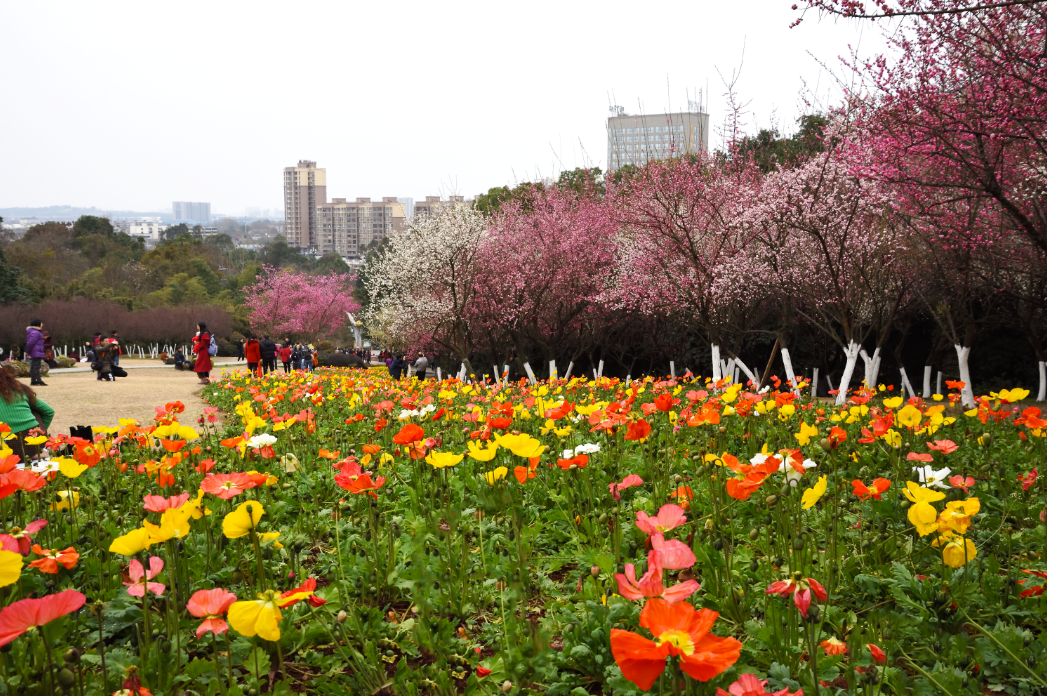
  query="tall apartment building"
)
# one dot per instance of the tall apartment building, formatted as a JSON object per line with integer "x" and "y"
{"x": 345, "y": 228}
{"x": 305, "y": 188}
{"x": 197, "y": 212}
{"x": 434, "y": 205}
{"x": 638, "y": 140}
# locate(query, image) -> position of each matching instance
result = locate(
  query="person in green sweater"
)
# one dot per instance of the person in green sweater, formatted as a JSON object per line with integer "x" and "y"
{"x": 21, "y": 411}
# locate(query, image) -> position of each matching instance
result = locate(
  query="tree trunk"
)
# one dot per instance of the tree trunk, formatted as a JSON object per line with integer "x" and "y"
{"x": 748, "y": 373}
{"x": 1042, "y": 393}
{"x": 770, "y": 364}
{"x": 848, "y": 371}
{"x": 790, "y": 375}
{"x": 927, "y": 370}
{"x": 717, "y": 374}
{"x": 963, "y": 355}
{"x": 872, "y": 367}
{"x": 906, "y": 384}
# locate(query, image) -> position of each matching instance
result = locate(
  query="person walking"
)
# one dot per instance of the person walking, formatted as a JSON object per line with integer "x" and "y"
{"x": 269, "y": 351}
{"x": 202, "y": 348}
{"x": 420, "y": 366}
{"x": 253, "y": 354}
{"x": 240, "y": 350}
{"x": 34, "y": 350}
{"x": 305, "y": 355}
{"x": 396, "y": 369}
{"x": 49, "y": 351}
{"x": 285, "y": 356}
{"x": 23, "y": 412}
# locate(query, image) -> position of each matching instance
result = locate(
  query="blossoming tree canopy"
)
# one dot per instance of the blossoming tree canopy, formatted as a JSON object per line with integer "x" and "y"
{"x": 306, "y": 306}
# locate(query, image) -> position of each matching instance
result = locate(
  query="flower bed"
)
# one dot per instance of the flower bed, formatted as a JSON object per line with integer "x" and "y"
{"x": 349, "y": 534}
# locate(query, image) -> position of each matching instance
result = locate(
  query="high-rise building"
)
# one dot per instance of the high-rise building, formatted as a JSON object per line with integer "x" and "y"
{"x": 638, "y": 140}
{"x": 434, "y": 205}
{"x": 345, "y": 228}
{"x": 305, "y": 188}
{"x": 195, "y": 212}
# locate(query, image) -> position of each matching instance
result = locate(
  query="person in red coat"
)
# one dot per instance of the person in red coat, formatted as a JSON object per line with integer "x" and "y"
{"x": 285, "y": 355}
{"x": 253, "y": 353}
{"x": 201, "y": 346}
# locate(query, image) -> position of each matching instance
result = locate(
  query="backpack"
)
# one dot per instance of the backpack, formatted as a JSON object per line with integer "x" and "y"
{"x": 212, "y": 349}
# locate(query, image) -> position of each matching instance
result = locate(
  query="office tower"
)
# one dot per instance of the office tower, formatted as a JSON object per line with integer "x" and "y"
{"x": 346, "y": 228}
{"x": 305, "y": 188}
{"x": 638, "y": 140}
{"x": 195, "y": 212}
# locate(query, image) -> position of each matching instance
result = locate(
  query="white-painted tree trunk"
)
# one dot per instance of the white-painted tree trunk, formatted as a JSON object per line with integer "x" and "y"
{"x": 530, "y": 373}
{"x": 748, "y": 373}
{"x": 717, "y": 374}
{"x": 672, "y": 369}
{"x": 871, "y": 366}
{"x": 570, "y": 366}
{"x": 789, "y": 374}
{"x": 599, "y": 373}
{"x": 848, "y": 371}
{"x": 927, "y": 381}
{"x": 906, "y": 383}
{"x": 814, "y": 384}
{"x": 1042, "y": 394}
{"x": 727, "y": 369}
{"x": 439, "y": 375}
{"x": 552, "y": 369}
{"x": 963, "y": 355}
{"x": 628, "y": 380}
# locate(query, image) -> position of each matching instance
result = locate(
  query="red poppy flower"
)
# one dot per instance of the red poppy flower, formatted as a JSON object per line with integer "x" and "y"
{"x": 1028, "y": 480}
{"x": 638, "y": 430}
{"x": 304, "y": 591}
{"x": 500, "y": 423}
{"x": 137, "y": 577}
{"x": 359, "y": 482}
{"x": 9, "y": 463}
{"x": 225, "y": 486}
{"x": 751, "y": 685}
{"x": 836, "y": 436}
{"x": 24, "y": 479}
{"x": 943, "y": 446}
{"x": 482, "y": 672}
{"x": 1033, "y": 591}
{"x": 408, "y": 434}
{"x": 18, "y": 617}
{"x": 800, "y": 588}
{"x": 52, "y": 559}
{"x": 665, "y": 402}
{"x": 579, "y": 461}
{"x": 876, "y": 653}
{"x": 678, "y": 630}
{"x": 20, "y": 540}
{"x": 204, "y": 466}
{"x": 210, "y": 605}
{"x": 173, "y": 445}
{"x": 158, "y": 503}
{"x": 864, "y": 493}
{"x": 232, "y": 442}
{"x": 380, "y": 424}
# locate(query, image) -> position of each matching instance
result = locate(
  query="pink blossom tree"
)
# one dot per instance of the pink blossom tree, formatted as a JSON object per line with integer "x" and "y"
{"x": 307, "y": 306}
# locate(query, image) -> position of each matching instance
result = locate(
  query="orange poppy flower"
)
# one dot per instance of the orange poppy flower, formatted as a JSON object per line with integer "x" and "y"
{"x": 678, "y": 630}
{"x": 638, "y": 430}
{"x": 522, "y": 473}
{"x": 878, "y": 487}
{"x": 9, "y": 463}
{"x": 580, "y": 461}
{"x": 173, "y": 445}
{"x": 52, "y": 559}
{"x": 500, "y": 423}
{"x": 665, "y": 402}
{"x": 683, "y": 496}
{"x": 333, "y": 456}
{"x": 225, "y": 486}
{"x": 24, "y": 480}
{"x": 88, "y": 454}
{"x": 408, "y": 434}
{"x": 372, "y": 449}
{"x": 834, "y": 646}
{"x": 836, "y": 436}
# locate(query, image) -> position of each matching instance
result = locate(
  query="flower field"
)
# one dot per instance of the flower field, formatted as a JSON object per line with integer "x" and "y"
{"x": 338, "y": 532}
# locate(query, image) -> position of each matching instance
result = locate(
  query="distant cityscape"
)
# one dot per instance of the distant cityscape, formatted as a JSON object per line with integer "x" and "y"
{"x": 347, "y": 227}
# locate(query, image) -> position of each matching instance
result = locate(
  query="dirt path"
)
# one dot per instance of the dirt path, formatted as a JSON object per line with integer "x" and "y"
{"x": 80, "y": 399}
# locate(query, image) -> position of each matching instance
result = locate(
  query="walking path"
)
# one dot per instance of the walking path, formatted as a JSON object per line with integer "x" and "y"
{"x": 78, "y": 398}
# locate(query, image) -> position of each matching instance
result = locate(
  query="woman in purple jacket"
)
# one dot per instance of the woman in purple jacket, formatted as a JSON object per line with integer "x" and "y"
{"x": 34, "y": 350}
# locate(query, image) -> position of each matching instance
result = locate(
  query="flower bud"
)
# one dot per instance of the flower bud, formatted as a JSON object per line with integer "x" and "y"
{"x": 771, "y": 500}
{"x": 825, "y": 444}
{"x": 594, "y": 571}
{"x": 507, "y": 686}
{"x": 66, "y": 678}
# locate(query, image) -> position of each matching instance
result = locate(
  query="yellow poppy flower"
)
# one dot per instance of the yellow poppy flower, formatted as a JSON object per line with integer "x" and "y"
{"x": 70, "y": 467}
{"x": 10, "y": 567}
{"x": 492, "y": 476}
{"x": 893, "y": 438}
{"x": 922, "y": 514}
{"x": 37, "y": 440}
{"x": 909, "y": 416}
{"x": 242, "y": 520}
{"x": 441, "y": 459}
{"x": 893, "y": 402}
{"x": 481, "y": 454}
{"x": 174, "y": 524}
{"x": 133, "y": 542}
{"x": 813, "y": 495}
{"x": 65, "y": 502}
{"x": 1011, "y": 395}
{"x": 956, "y": 550}
{"x": 806, "y": 433}
{"x": 521, "y": 445}
{"x": 266, "y": 537}
{"x": 786, "y": 412}
{"x": 257, "y": 617}
{"x": 196, "y": 507}
{"x": 956, "y": 517}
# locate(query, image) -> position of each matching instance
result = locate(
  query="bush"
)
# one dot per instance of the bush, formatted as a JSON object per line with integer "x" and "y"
{"x": 65, "y": 362}
{"x": 340, "y": 360}
{"x": 22, "y": 368}
{"x": 226, "y": 349}
{"x": 325, "y": 346}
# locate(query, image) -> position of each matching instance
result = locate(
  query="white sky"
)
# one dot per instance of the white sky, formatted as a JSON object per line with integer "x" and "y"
{"x": 129, "y": 106}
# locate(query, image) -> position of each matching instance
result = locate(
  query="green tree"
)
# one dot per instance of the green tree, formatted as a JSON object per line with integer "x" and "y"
{"x": 771, "y": 151}
{"x": 220, "y": 241}
{"x": 91, "y": 224}
{"x": 332, "y": 263}
{"x": 11, "y": 290}
{"x": 207, "y": 276}
{"x": 279, "y": 253}
{"x": 582, "y": 180}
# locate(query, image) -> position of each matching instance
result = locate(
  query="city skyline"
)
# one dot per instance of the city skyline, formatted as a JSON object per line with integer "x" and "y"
{"x": 471, "y": 124}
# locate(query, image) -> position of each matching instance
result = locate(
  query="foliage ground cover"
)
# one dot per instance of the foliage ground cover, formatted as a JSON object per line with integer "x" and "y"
{"x": 339, "y": 532}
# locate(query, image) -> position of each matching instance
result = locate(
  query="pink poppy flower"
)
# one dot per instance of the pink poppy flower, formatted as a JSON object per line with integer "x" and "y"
{"x": 158, "y": 503}
{"x": 136, "y": 573}
{"x": 943, "y": 446}
{"x": 919, "y": 457}
{"x": 960, "y": 482}
{"x": 211, "y": 605}
{"x": 669, "y": 517}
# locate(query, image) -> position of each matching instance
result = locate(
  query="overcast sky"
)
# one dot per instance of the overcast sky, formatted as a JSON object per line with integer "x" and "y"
{"x": 130, "y": 106}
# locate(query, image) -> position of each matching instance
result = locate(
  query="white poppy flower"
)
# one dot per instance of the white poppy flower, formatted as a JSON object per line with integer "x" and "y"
{"x": 587, "y": 448}
{"x": 262, "y": 440}
{"x": 792, "y": 475}
{"x": 568, "y": 454}
{"x": 931, "y": 477}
